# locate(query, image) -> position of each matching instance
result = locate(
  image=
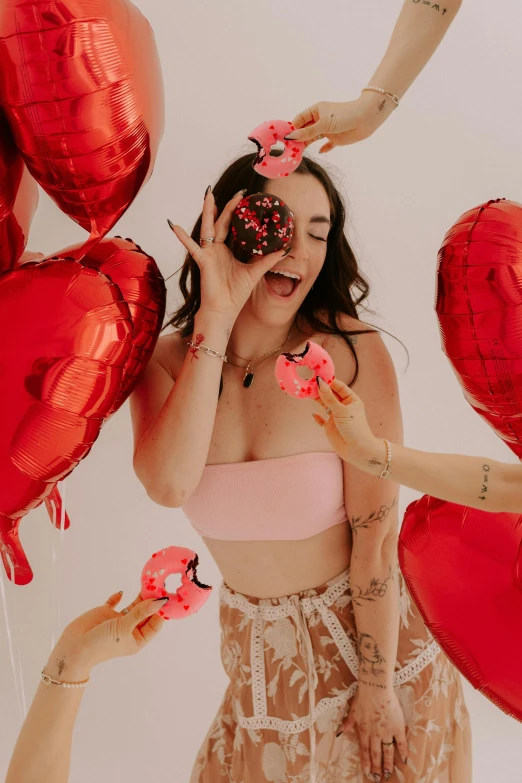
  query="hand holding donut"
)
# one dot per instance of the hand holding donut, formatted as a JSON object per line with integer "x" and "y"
{"x": 342, "y": 123}
{"x": 346, "y": 427}
{"x": 226, "y": 283}
{"x": 104, "y": 633}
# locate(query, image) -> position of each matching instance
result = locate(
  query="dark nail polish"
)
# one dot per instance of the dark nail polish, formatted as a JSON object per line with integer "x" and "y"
{"x": 165, "y": 598}
{"x": 339, "y": 733}
{"x": 171, "y": 224}
{"x": 318, "y": 380}
{"x": 207, "y": 191}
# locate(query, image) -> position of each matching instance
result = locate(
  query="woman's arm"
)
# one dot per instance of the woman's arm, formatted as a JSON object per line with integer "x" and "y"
{"x": 420, "y": 28}
{"x": 372, "y": 509}
{"x": 477, "y": 482}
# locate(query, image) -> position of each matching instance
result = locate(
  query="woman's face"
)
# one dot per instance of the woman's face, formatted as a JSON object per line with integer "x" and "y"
{"x": 275, "y": 298}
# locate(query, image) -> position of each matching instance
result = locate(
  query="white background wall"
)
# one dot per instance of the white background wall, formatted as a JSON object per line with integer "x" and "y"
{"x": 454, "y": 142}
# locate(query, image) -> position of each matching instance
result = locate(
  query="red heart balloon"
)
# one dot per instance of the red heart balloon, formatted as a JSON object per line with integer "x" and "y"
{"x": 81, "y": 85}
{"x": 463, "y": 568}
{"x": 18, "y": 199}
{"x": 142, "y": 286}
{"x": 479, "y": 307}
{"x": 65, "y": 340}
{"x": 136, "y": 289}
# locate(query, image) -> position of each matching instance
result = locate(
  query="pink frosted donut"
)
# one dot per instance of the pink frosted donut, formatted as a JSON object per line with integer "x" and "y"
{"x": 316, "y": 359}
{"x": 190, "y": 595}
{"x": 272, "y": 165}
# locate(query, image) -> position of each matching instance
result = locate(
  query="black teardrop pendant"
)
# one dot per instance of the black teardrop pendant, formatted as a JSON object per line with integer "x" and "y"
{"x": 248, "y": 380}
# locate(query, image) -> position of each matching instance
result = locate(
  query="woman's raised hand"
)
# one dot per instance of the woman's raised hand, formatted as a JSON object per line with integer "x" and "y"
{"x": 226, "y": 283}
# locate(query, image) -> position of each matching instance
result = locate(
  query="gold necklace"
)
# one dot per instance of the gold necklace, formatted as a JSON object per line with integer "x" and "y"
{"x": 249, "y": 377}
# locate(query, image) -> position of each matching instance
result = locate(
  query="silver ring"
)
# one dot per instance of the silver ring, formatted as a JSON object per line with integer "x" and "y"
{"x": 206, "y": 241}
{"x": 328, "y": 411}
{"x": 321, "y": 136}
{"x": 388, "y": 743}
{"x": 125, "y": 611}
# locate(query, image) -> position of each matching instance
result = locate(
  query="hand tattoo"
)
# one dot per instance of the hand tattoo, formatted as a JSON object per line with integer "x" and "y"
{"x": 484, "y": 489}
{"x": 369, "y": 656}
{"x": 356, "y": 523}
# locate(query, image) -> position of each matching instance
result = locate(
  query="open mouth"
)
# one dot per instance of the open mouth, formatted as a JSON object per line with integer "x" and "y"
{"x": 282, "y": 284}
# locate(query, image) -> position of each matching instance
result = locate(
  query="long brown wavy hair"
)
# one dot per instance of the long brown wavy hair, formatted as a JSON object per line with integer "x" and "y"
{"x": 338, "y": 290}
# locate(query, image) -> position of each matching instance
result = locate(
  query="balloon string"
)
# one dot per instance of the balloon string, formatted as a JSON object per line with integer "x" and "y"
{"x": 21, "y": 710}
{"x": 58, "y": 571}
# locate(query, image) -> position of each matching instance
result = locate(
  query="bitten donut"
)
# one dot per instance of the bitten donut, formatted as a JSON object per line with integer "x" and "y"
{"x": 316, "y": 359}
{"x": 190, "y": 595}
{"x": 261, "y": 224}
{"x": 276, "y": 163}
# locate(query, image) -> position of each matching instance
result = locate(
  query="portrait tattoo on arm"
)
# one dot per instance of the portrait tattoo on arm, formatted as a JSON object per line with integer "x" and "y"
{"x": 484, "y": 489}
{"x": 359, "y": 523}
{"x": 370, "y": 658}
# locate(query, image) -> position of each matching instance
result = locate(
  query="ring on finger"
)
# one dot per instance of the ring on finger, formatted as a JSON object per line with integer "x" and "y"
{"x": 321, "y": 136}
{"x": 328, "y": 413}
{"x": 125, "y": 611}
{"x": 388, "y": 743}
{"x": 197, "y": 251}
{"x": 206, "y": 241}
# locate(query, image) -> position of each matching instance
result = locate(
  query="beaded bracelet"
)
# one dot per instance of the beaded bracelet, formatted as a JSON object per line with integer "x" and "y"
{"x": 386, "y": 471}
{"x": 49, "y": 681}
{"x": 393, "y": 97}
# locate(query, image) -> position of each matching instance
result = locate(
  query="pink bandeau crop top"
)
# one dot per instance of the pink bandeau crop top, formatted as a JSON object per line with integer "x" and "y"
{"x": 279, "y": 499}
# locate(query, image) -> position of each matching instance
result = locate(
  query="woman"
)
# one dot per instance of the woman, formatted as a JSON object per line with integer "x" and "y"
{"x": 43, "y": 750}
{"x": 419, "y": 30}
{"x": 477, "y": 482}
{"x": 318, "y": 633}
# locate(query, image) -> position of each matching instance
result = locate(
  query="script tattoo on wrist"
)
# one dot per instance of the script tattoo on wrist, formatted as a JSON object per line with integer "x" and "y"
{"x": 484, "y": 489}
{"x": 369, "y": 655}
{"x": 373, "y": 684}
{"x": 358, "y": 523}
{"x": 377, "y": 589}
{"x": 433, "y": 6}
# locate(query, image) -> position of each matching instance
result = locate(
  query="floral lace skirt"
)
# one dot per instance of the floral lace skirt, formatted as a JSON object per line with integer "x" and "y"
{"x": 292, "y": 666}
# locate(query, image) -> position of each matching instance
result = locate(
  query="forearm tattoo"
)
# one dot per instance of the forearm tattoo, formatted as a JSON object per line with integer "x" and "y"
{"x": 433, "y": 6}
{"x": 370, "y": 658}
{"x": 358, "y": 523}
{"x": 381, "y": 108}
{"x": 484, "y": 489}
{"x": 61, "y": 666}
{"x": 194, "y": 351}
{"x": 377, "y": 589}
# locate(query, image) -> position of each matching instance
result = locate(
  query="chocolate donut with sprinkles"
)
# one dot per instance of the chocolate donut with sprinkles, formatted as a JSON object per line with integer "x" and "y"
{"x": 261, "y": 224}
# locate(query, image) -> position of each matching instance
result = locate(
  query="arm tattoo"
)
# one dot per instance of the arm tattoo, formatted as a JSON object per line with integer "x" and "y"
{"x": 374, "y": 461}
{"x": 381, "y": 108}
{"x": 370, "y": 658}
{"x": 194, "y": 351}
{"x": 357, "y": 523}
{"x": 377, "y": 589}
{"x": 484, "y": 489}
{"x": 61, "y": 666}
{"x": 373, "y": 684}
{"x": 433, "y": 6}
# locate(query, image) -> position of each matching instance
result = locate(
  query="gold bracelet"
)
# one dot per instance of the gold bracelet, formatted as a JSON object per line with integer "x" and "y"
{"x": 386, "y": 471}
{"x": 49, "y": 681}
{"x": 390, "y": 95}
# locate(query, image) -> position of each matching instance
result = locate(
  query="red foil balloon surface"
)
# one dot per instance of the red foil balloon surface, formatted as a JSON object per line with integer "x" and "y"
{"x": 463, "y": 567}
{"x": 479, "y": 307}
{"x": 18, "y": 199}
{"x": 142, "y": 287}
{"x": 81, "y": 86}
{"x": 96, "y": 325}
{"x": 65, "y": 340}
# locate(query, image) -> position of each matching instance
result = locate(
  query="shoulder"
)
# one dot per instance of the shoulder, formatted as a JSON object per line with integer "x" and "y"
{"x": 170, "y": 352}
{"x": 374, "y": 360}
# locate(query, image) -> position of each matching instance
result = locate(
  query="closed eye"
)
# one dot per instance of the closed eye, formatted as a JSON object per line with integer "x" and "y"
{"x": 321, "y": 239}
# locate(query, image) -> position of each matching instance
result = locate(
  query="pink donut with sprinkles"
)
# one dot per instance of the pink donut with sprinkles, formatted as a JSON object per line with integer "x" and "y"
{"x": 190, "y": 595}
{"x": 274, "y": 163}
{"x": 316, "y": 359}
